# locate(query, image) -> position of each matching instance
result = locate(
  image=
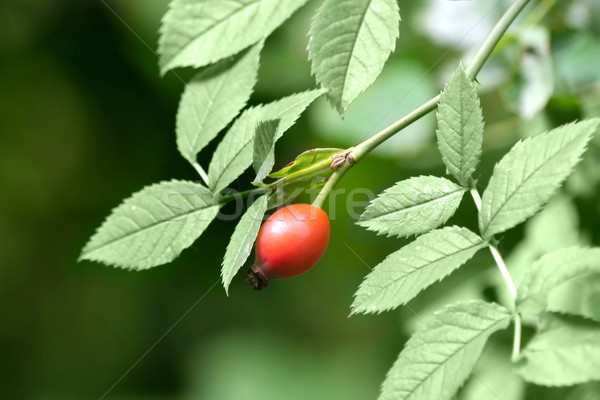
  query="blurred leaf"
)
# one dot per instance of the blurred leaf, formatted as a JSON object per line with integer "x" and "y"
{"x": 152, "y": 226}
{"x": 349, "y": 44}
{"x": 413, "y": 206}
{"x": 556, "y": 226}
{"x": 535, "y": 83}
{"x": 577, "y": 60}
{"x": 529, "y": 175}
{"x": 565, "y": 352}
{"x": 552, "y": 270}
{"x": 264, "y": 148}
{"x": 494, "y": 377}
{"x": 580, "y": 296}
{"x": 438, "y": 359}
{"x": 212, "y": 99}
{"x": 419, "y": 264}
{"x": 460, "y": 126}
{"x": 235, "y": 152}
{"x": 240, "y": 244}
{"x": 195, "y": 33}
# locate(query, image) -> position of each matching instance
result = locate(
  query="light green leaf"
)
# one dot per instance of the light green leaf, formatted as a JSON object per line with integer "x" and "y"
{"x": 235, "y": 152}
{"x": 413, "y": 206}
{"x": 526, "y": 178}
{"x": 350, "y": 41}
{"x": 240, "y": 245}
{"x": 460, "y": 126}
{"x": 152, "y": 226}
{"x": 566, "y": 352}
{"x": 419, "y": 264}
{"x": 264, "y": 148}
{"x": 212, "y": 99}
{"x": 438, "y": 359}
{"x": 579, "y": 296}
{"x": 553, "y": 270}
{"x": 195, "y": 33}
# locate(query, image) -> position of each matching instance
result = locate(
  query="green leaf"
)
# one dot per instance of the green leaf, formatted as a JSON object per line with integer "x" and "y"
{"x": 264, "y": 148}
{"x": 438, "y": 358}
{"x": 460, "y": 126}
{"x": 413, "y": 206}
{"x": 579, "y": 296}
{"x": 306, "y": 160}
{"x": 212, "y": 99}
{"x": 553, "y": 270}
{"x": 195, "y": 33}
{"x": 240, "y": 245}
{"x": 565, "y": 352}
{"x": 235, "y": 152}
{"x": 350, "y": 42}
{"x": 526, "y": 178}
{"x": 419, "y": 264}
{"x": 152, "y": 226}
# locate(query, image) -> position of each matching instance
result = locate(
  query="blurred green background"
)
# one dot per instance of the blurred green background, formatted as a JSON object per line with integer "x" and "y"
{"x": 85, "y": 120}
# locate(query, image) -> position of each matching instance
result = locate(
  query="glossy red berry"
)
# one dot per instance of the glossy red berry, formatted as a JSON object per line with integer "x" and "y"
{"x": 289, "y": 243}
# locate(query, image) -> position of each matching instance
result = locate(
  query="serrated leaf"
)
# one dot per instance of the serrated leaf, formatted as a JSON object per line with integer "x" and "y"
{"x": 416, "y": 266}
{"x": 212, "y": 99}
{"x": 350, "y": 41}
{"x": 413, "y": 206}
{"x": 264, "y": 148}
{"x": 438, "y": 358}
{"x": 525, "y": 179}
{"x": 152, "y": 226}
{"x": 195, "y": 33}
{"x": 306, "y": 160}
{"x": 553, "y": 270}
{"x": 240, "y": 245}
{"x": 460, "y": 126}
{"x": 235, "y": 152}
{"x": 566, "y": 352}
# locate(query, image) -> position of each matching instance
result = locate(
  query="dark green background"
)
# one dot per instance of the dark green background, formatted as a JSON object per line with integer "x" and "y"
{"x": 85, "y": 120}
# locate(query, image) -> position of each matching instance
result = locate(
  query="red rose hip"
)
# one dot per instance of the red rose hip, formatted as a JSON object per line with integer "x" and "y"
{"x": 289, "y": 243}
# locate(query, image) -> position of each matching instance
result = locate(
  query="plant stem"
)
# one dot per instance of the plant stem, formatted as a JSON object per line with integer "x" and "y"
{"x": 482, "y": 55}
{"x": 510, "y": 284}
{"x": 201, "y": 172}
{"x": 517, "y": 338}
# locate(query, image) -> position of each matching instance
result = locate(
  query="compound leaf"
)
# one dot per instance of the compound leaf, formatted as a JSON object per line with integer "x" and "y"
{"x": 460, "y": 126}
{"x": 350, "y": 41}
{"x": 195, "y": 33}
{"x": 240, "y": 245}
{"x": 212, "y": 99}
{"x": 413, "y": 206}
{"x": 152, "y": 226}
{"x": 438, "y": 359}
{"x": 416, "y": 266}
{"x": 235, "y": 152}
{"x": 551, "y": 271}
{"x": 525, "y": 179}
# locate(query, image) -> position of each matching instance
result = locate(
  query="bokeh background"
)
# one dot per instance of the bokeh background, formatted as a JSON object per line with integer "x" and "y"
{"x": 85, "y": 120}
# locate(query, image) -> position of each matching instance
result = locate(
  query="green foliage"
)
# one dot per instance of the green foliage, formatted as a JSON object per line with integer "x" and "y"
{"x": 438, "y": 358}
{"x": 152, "y": 226}
{"x": 403, "y": 274}
{"x": 212, "y": 99}
{"x": 235, "y": 152}
{"x": 413, "y": 206}
{"x": 565, "y": 352}
{"x": 195, "y": 34}
{"x": 553, "y": 270}
{"x": 264, "y": 148}
{"x": 579, "y": 296}
{"x": 460, "y": 127}
{"x": 241, "y": 242}
{"x": 526, "y": 178}
{"x": 350, "y": 42}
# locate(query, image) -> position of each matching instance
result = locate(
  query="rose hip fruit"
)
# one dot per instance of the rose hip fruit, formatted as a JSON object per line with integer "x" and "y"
{"x": 289, "y": 243}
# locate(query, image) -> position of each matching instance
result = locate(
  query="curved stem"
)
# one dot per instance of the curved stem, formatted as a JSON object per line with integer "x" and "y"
{"x": 201, "y": 172}
{"x": 482, "y": 55}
